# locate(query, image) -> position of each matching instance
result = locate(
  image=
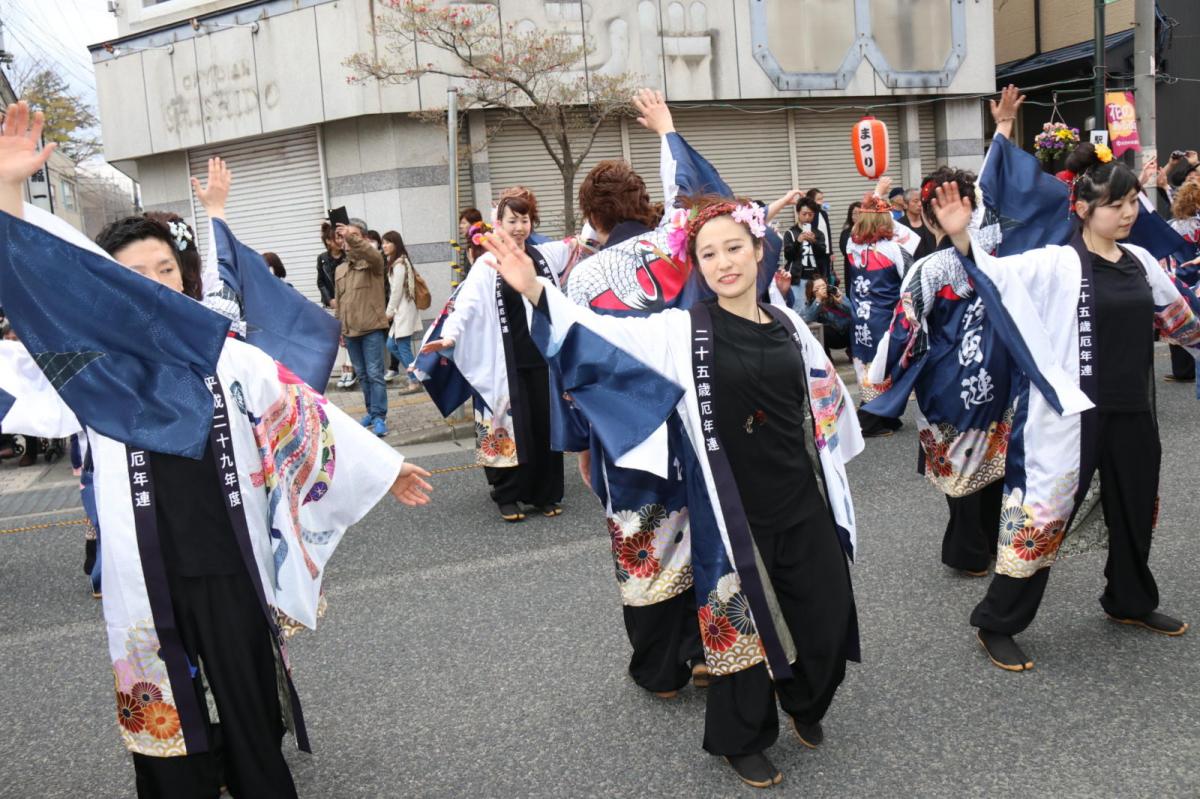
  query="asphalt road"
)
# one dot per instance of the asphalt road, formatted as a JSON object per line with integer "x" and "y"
{"x": 463, "y": 657}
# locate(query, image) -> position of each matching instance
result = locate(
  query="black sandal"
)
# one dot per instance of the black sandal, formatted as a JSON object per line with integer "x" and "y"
{"x": 1156, "y": 622}
{"x": 509, "y": 512}
{"x": 756, "y": 769}
{"x": 1003, "y": 651}
{"x": 552, "y": 510}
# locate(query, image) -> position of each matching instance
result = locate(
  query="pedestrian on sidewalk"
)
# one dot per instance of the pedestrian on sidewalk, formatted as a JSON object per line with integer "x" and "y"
{"x": 362, "y": 310}
{"x": 401, "y": 309}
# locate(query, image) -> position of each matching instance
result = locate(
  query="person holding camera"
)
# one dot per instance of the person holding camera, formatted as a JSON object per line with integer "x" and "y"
{"x": 806, "y": 249}
{"x": 826, "y": 304}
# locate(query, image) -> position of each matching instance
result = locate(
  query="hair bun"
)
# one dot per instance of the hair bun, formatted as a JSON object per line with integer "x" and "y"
{"x": 1082, "y": 158}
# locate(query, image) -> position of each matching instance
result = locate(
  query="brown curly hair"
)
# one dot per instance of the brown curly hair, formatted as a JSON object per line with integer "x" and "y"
{"x": 613, "y": 193}
{"x": 521, "y": 200}
{"x": 1187, "y": 201}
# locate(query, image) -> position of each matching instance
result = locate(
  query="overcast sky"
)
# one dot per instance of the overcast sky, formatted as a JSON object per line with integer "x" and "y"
{"x": 58, "y": 32}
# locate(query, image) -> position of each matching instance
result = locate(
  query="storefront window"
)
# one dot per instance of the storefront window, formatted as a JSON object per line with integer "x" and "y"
{"x": 809, "y": 35}
{"x": 914, "y": 35}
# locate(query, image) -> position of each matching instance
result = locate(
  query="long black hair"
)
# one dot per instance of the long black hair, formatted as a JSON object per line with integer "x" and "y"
{"x": 850, "y": 214}
{"x": 397, "y": 242}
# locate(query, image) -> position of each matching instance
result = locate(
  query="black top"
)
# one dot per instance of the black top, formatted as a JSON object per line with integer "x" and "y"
{"x": 326, "y": 268}
{"x": 758, "y": 375}
{"x": 193, "y": 523}
{"x": 928, "y": 243}
{"x": 524, "y": 351}
{"x": 1124, "y": 328}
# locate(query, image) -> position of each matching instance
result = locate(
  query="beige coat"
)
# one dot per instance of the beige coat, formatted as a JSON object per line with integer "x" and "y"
{"x": 359, "y": 289}
{"x": 402, "y": 307}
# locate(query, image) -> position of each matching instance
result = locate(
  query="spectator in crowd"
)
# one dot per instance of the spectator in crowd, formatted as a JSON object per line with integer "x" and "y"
{"x": 358, "y": 292}
{"x": 826, "y": 304}
{"x": 916, "y": 222}
{"x": 847, "y": 226}
{"x": 327, "y": 264}
{"x": 899, "y": 206}
{"x": 805, "y": 248}
{"x": 1185, "y": 170}
{"x": 276, "y": 265}
{"x": 821, "y": 221}
{"x": 402, "y": 308}
{"x": 376, "y": 239}
{"x": 466, "y": 218}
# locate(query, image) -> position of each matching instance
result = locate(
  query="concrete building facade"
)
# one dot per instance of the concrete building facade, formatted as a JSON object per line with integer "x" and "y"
{"x": 767, "y": 89}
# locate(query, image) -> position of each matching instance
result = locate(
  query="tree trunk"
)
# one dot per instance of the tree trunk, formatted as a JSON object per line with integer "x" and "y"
{"x": 568, "y": 185}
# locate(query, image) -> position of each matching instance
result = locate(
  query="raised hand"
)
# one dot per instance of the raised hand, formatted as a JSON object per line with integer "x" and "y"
{"x": 883, "y": 187}
{"x": 410, "y": 488}
{"x": 214, "y": 194}
{"x": 653, "y": 113}
{"x": 1004, "y": 112}
{"x": 19, "y": 156}
{"x": 1149, "y": 172}
{"x": 953, "y": 213}
{"x": 783, "y": 281}
{"x": 513, "y": 264}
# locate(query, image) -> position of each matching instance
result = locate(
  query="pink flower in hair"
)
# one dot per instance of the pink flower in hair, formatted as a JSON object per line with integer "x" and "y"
{"x": 753, "y": 217}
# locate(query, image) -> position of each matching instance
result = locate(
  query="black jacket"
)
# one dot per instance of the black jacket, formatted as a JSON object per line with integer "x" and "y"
{"x": 793, "y": 250}
{"x": 326, "y": 267}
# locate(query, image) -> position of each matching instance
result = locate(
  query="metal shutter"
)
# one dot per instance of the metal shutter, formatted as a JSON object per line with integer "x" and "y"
{"x": 749, "y": 149}
{"x": 928, "y": 139}
{"x": 276, "y": 203}
{"x": 516, "y": 156}
{"x": 751, "y": 152}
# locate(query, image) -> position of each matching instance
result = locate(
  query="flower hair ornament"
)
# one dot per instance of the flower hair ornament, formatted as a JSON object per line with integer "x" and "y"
{"x": 182, "y": 235}
{"x": 685, "y": 223}
{"x": 477, "y": 232}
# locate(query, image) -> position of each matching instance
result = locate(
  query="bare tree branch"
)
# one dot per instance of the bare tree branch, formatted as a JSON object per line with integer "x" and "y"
{"x": 540, "y": 81}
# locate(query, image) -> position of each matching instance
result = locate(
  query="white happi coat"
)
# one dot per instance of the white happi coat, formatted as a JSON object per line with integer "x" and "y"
{"x": 1041, "y": 296}
{"x": 306, "y": 471}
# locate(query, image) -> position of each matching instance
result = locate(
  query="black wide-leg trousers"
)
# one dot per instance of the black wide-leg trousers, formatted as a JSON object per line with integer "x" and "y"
{"x": 538, "y": 481}
{"x": 1128, "y": 459}
{"x": 226, "y": 636}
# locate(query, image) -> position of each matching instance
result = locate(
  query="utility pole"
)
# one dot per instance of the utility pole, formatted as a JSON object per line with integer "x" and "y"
{"x": 1098, "y": 68}
{"x": 1144, "y": 71}
{"x": 452, "y": 175}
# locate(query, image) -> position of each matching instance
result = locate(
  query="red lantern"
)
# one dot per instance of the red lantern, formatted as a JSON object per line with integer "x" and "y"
{"x": 869, "y": 138}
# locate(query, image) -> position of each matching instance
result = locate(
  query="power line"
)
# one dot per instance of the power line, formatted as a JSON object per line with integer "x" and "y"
{"x": 68, "y": 49}
{"x": 75, "y": 69}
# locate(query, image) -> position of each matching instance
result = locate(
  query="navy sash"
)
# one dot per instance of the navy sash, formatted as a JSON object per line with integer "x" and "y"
{"x": 522, "y": 436}
{"x": 1090, "y": 419}
{"x": 179, "y": 670}
{"x": 738, "y": 529}
{"x": 154, "y": 572}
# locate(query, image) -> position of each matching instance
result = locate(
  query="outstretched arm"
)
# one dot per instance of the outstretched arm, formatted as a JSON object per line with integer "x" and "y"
{"x": 783, "y": 202}
{"x": 19, "y": 155}
{"x": 646, "y": 339}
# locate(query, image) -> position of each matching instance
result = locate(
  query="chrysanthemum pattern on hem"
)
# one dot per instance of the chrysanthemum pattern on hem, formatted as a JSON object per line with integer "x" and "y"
{"x": 730, "y": 639}
{"x": 1030, "y": 535}
{"x": 651, "y": 553}
{"x": 494, "y": 442}
{"x": 146, "y": 713}
{"x": 962, "y": 462}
